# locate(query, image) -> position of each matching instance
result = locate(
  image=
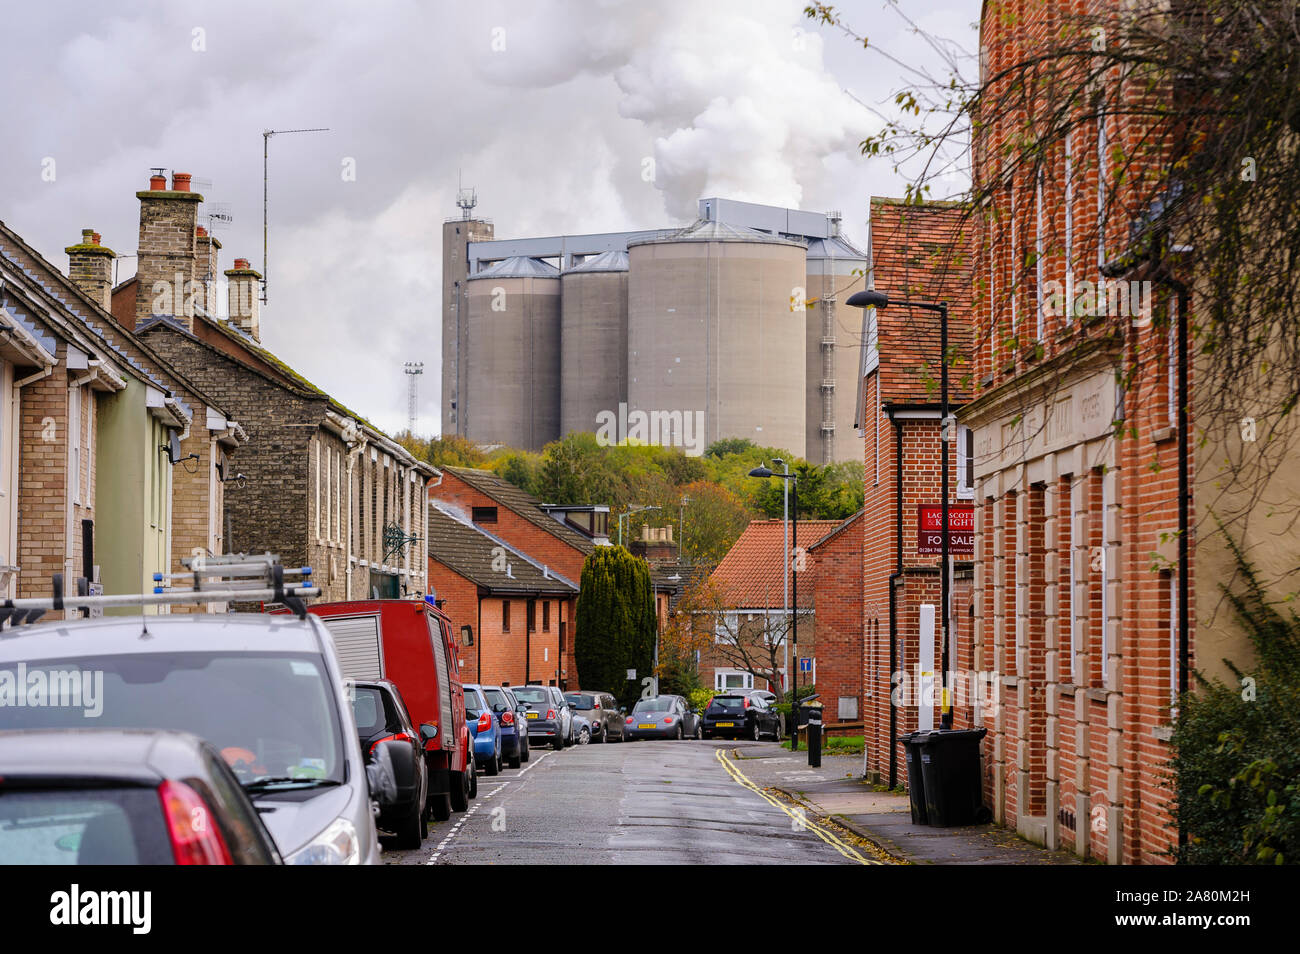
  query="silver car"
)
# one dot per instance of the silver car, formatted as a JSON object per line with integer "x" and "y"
{"x": 264, "y": 690}
{"x": 549, "y": 717}
{"x": 600, "y": 709}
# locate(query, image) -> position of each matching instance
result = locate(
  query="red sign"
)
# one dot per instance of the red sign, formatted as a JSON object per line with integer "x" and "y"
{"x": 961, "y": 530}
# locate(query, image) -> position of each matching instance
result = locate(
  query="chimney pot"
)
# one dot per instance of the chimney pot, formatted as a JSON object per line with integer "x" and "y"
{"x": 181, "y": 181}
{"x": 157, "y": 183}
{"x": 88, "y": 237}
{"x": 241, "y": 263}
{"x": 97, "y": 238}
{"x": 202, "y": 231}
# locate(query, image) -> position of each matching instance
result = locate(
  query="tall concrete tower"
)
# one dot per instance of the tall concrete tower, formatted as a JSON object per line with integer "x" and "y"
{"x": 457, "y": 233}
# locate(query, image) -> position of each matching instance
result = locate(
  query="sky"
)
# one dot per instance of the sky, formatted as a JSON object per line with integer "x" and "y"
{"x": 564, "y": 116}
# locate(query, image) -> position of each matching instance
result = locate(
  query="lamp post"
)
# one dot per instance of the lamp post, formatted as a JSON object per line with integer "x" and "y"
{"x": 793, "y": 579}
{"x": 627, "y": 513}
{"x": 880, "y": 301}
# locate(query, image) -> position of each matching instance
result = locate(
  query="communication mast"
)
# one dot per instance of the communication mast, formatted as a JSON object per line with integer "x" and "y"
{"x": 413, "y": 371}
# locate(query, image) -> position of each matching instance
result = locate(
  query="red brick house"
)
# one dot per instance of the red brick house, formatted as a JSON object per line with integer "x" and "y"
{"x": 749, "y": 585}
{"x": 512, "y": 613}
{"x": 913, "y": 251}
{"x": 555, "y": 539}
{"x": 836, "y": 574}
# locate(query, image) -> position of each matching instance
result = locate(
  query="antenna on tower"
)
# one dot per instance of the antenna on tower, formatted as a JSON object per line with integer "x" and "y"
{"x": 465, "y": 198}
{"x": 266, "y": 144}
{"x": 413, "y": 371}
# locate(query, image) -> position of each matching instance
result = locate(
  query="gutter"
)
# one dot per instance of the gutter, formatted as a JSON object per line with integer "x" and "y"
{"x": 893, "y": 596}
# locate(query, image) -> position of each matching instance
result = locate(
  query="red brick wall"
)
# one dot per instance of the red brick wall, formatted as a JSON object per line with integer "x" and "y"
{"x": 837, "y": 605}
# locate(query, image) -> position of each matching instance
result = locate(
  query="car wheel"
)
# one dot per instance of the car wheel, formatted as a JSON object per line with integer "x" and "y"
{"x": 441, "y": 806}
{"x": 493, "y": 765}
{"x": 473, "y": 779}
{"x": 558, "y": 744}
{"x": 601, "y": 737}
{"x": 708, "y": 736}
{"x": 754, "y": 734}
{"x": 699, "y": 732}
{"x": 584, "y": 736}
{"x": 409, "y": 831}
{"x": 525, "y": 755}
{"x": 460, "y": 790}
{"x": 777, "y": 733}
{"x": 515, "y": 760}
{"x": 677, "y": 736}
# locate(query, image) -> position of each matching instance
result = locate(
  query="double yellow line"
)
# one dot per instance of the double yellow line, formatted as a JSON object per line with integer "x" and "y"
{"x": 845, "y": 849}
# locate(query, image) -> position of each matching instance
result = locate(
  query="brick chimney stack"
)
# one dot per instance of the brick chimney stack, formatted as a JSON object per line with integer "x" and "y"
{"x": 244, "y": 298}
{"x": 166, "y": 267}
{"x": 205, "y": 269}
{"x": 90, "y": 266}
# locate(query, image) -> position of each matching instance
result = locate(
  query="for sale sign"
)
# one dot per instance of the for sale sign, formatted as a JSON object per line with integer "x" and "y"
{"x": 961, "y": 529}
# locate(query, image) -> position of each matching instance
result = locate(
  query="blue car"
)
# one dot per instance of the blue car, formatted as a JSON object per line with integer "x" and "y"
{"x": 510, "y": 713}
{"x": 484, "y": 730}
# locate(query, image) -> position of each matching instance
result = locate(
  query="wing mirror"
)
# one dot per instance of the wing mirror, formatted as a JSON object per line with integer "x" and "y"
{"x": 428, "y": 732}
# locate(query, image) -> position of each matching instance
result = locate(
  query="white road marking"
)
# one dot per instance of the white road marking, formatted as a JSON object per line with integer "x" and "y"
{"x": 473, "y": 809}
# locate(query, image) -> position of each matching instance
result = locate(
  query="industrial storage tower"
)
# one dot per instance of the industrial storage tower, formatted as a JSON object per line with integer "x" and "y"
{"x": 716, "y": 324}
{"x": 593, "y": 337}
{"x": 457, "y": 233}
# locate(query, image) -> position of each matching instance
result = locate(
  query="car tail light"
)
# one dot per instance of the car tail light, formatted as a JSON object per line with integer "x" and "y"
{"x": 629, "y": 720}
{"x": 507, "y": 718}
{"x": 194, "y": 835}
{"x": 399, "y": 737}
{"x": 550, "y": 715}
{"x": 484, "y": 722}
{"x": 746, "y": 702}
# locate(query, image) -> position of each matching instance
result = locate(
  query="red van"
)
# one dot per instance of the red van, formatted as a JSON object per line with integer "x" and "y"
{"x": 410, "y": 643}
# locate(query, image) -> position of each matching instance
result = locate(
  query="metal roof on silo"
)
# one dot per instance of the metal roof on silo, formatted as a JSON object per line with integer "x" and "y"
{"x": 518, "y": 267}
{"x": 605, "y": 262}
{"x": 835, "y": 247}
{"x": 704, "y": 230}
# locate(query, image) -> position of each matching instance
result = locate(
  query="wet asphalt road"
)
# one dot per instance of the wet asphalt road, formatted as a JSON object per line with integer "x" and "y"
{"x": 627, "y": 803}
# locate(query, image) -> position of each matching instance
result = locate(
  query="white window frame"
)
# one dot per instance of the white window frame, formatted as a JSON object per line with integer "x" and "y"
{"x": 1038, "y": 256}
{"x": 720, "y": 675}
{"x": 74, "y": 441}
{"x": 965, "y": 491}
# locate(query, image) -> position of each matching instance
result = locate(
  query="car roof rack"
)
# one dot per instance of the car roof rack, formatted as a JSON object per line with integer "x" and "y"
{"x": 212, "y": 579}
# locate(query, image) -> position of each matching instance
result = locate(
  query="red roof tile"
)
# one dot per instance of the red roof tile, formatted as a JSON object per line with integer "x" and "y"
{"x": 750, "y": 574}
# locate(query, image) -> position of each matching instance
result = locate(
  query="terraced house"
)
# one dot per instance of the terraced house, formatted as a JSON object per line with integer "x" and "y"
{"x": 316, "y": 484}
{"x": 91, "y": 481}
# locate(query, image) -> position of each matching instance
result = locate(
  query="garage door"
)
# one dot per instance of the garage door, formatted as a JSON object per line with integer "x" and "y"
{"x": 356, "y": 640}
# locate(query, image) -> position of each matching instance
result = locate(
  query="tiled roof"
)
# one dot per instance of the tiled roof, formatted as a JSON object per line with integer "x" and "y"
{"x": 751, "y": 573}
{"x": 844, "y": 525}
{"x": 923, "y": 253}
{"x": 520, "y": 502}
{"x": 472, "y": 552}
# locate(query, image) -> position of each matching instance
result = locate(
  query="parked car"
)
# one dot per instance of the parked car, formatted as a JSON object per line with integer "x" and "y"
{"x": 601, "y": 710}
{"x": 509, "y": 713}
{"x": 382, "y": 716}
{"x": 484, "y": 730}
{"x": 521, "y": 711}
{"x": 581, "y": 730}
{"x": 409, "y": 642}
{"x": 264, "y": 690}
{"x": 662, "y": 717}
{"x": 124, "y": 797}
{"x": 549, "y": 716}
{"x": 739, "y": 716}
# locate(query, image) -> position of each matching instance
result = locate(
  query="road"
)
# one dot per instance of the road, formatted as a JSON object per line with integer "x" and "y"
{"x": 630, "y": 803}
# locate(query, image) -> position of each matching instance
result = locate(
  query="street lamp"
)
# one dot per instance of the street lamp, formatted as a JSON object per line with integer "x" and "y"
{"x": 879, "y": 300}
{"x": 627, "y": 513}
{"x": 763, "y": 472}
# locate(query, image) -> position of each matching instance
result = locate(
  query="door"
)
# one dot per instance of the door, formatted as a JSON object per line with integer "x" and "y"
{"x": 357, "y": 644}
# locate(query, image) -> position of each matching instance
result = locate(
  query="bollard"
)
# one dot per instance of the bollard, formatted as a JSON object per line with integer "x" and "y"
{"x": 815, "y": 743}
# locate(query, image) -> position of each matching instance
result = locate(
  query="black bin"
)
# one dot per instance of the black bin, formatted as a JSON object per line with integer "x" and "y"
{"x": 915, "y": 776}
{"x": 950, "y": 766}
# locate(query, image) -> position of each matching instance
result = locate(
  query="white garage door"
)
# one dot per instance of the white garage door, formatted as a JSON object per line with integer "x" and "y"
{"x": 356, "y": 640}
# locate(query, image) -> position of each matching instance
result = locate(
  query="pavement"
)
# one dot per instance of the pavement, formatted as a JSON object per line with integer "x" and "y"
{"x": 669, "y": 802}
{"x": 836, "y": 793}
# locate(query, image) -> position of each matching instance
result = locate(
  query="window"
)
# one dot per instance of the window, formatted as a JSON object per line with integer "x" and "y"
{"x": 1101, "y": 189}
{"x": 484, "y": 514}
{"x": 505, "y": 616}
{"x": 1172, "y": 363}
{"x": 532, "y": 616}
{"x": 1069, "y": 224}
{"x": 1038, "y": 253}
{"x": 74, "y": 441}
{"x": 315, "y": 449}
{"x": 546, "y": 616}
{"x": 732, "y": 679}
{"x": 965, "y": 462}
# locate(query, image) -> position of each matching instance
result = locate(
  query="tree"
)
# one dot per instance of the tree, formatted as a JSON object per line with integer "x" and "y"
{"x": 616, "y": 622}
{"x": 713, "y": 520}
{"x": 705, "y": 623}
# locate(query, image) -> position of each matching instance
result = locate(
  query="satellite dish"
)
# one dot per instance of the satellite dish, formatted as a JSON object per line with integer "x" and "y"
{"x": 173, "y": 446}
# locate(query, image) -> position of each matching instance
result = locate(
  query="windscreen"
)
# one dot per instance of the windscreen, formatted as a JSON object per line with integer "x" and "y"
{"x": 83, "y": 826}
{"x": 657, "y": 704}
{"x": 532, "y": 695}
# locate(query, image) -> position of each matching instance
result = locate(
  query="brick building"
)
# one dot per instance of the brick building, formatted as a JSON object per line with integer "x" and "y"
{"x": 157, "y": 509}
{"x": 316, "y": 483}
{"x": 836, "y": 576}
{"x": 749, "y": 584}
{"x": 915, "y": 253}
{"x": 1078, "y": 577}
{"x": 512, "y": 612}
{"x": 555, "y": 538}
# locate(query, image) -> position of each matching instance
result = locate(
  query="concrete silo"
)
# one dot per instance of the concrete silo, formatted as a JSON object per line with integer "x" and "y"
{"x": 593, "y": 341}
{"x": 833, "y": 350}
{"x": 712, "y": 332}
{"x": 512, "y": 358}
